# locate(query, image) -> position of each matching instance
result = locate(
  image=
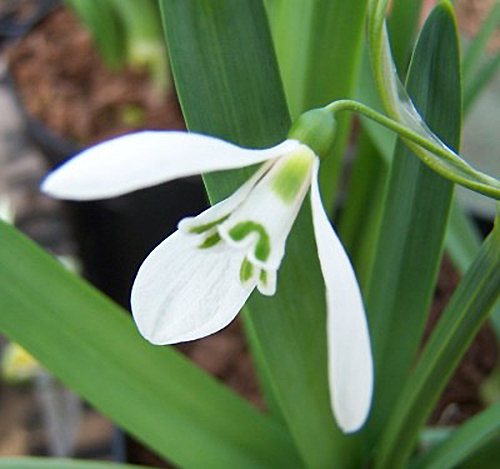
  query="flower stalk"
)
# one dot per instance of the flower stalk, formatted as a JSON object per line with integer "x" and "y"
{"x": 438, "y": 156}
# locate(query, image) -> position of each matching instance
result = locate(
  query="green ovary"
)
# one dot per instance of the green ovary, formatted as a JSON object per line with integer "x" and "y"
{"x": 244, "y": 228}
{"x": 290, "y": 179}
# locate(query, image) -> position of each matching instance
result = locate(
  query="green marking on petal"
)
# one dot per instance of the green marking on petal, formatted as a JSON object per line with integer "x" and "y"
{"x": 246, "y": 271}
{"x": 244, "y": 228}
{"x": 263, "y": 277}
{"x": 207, "y": 226}
{"x": 289, "y": 180}
{"x": 210, "y": 241}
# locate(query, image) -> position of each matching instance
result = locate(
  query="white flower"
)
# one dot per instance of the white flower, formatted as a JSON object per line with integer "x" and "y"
{"x": 196, "y": 281}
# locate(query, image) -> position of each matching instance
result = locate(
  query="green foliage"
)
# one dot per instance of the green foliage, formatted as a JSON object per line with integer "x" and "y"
{"x": 476, "y": 442}
{"x": 398, "y": 216}
{"x": 416, "y": 207}
{"x": 318, "y": 44}
{"x": 94, "y": 347}
{"x": 239, "y": 98}
{"x": 129, "y": 33}
{"x": 100, "y": 18}
{"x": 53, "y": 463}
{"x": 468, "y": 309}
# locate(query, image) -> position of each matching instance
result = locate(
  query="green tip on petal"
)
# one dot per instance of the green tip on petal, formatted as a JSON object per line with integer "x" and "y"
{"x": 290, "y": 179}
{"x": 210, "y": 241}
{"x": 316, "y": 129}
{"x": 246, "y": 271}
{"x": 243, "y": 229}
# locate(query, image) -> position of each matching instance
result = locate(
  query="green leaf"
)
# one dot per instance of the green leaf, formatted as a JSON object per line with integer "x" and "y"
{"x": 359, "y": 222}
{"x": 56, "y": 463}
{"x": 477, "y": 48}
{"x": 403, "y": 22}
{"x": 399, "y": 106}
{"x": 415, "y": 216}
{"x": 153, "y": 392}
{"x": 468, "y": 439}
{"x": 466, "y": 312}
{"x": 143, "y": 38}
{"x": 486, "y": 457}
{"x": 238, "y": 96}
{"x": 102, "y": 21}
{"x": 432, "y": 436}
{"x": 462, "y": 241}
{"x": 473, "y": 88}
{"x": 318, "y": 46}
{"x": 478, "y": 68}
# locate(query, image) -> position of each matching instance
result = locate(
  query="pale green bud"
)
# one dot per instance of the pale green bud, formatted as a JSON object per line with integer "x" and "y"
{"x": 316, "y": 129}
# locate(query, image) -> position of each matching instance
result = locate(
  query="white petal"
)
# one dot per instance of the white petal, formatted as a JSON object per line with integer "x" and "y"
{"x": 265, "y": 208}
{"x": 144, "y": 159}
{"x": 350, "y": 363}
{"x": 183, "y": 293}
{"x": 226, "y": 206}
{"x": 267, "y": 282}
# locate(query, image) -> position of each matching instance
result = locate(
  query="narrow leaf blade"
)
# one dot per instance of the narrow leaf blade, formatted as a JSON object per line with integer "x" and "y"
{"x": 468, "y": 439}
{"x": 415, "y": 215}
{"x": 239, "y": 97}
{"x": 153, "y": 392}
{"x": 467, "y": 310}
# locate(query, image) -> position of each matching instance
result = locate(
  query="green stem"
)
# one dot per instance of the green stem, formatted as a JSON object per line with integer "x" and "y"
{"x": 453, "y": 167}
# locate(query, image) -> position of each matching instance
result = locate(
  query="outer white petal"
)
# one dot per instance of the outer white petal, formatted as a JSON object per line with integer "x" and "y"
{"x": 184, "y": 293}
{"x": 350, "y": 363}
{"x": 144, "y": 159}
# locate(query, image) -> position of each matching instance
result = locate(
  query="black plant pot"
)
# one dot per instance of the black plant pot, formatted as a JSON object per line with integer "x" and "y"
{"x": 114, "y": 236}
{"x": 11, "y": 27}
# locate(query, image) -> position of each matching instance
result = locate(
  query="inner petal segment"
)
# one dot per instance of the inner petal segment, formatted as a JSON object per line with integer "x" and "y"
{"x": 261, "y": 224}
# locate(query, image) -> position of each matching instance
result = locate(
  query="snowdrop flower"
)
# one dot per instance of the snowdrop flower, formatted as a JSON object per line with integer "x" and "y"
{"x": 197, "y": 280}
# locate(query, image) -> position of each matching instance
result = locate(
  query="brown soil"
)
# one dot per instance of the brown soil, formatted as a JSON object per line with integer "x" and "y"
{"x": 471, "y": 14}
{"x": 63, "y": 83}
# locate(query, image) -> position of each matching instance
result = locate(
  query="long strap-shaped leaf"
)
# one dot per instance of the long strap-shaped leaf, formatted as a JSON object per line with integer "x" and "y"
{"x": 153, "y": 392}
{"x": 468, "y": 439}
{"x": 360, "y": 221}
{"x": 229, "y": 86}
{"x": 478, "y": 46}
{"x": 462, "y": 238}
{"x": 399, "y": 106}
{"x": 318, "y": 45}
{"x": 468, "y": 309}
{"x": 101, "y": 20}
{"x": 415, "y": 216}
{"x": 403, "y": 22}
{"x": 478, "y": 68}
